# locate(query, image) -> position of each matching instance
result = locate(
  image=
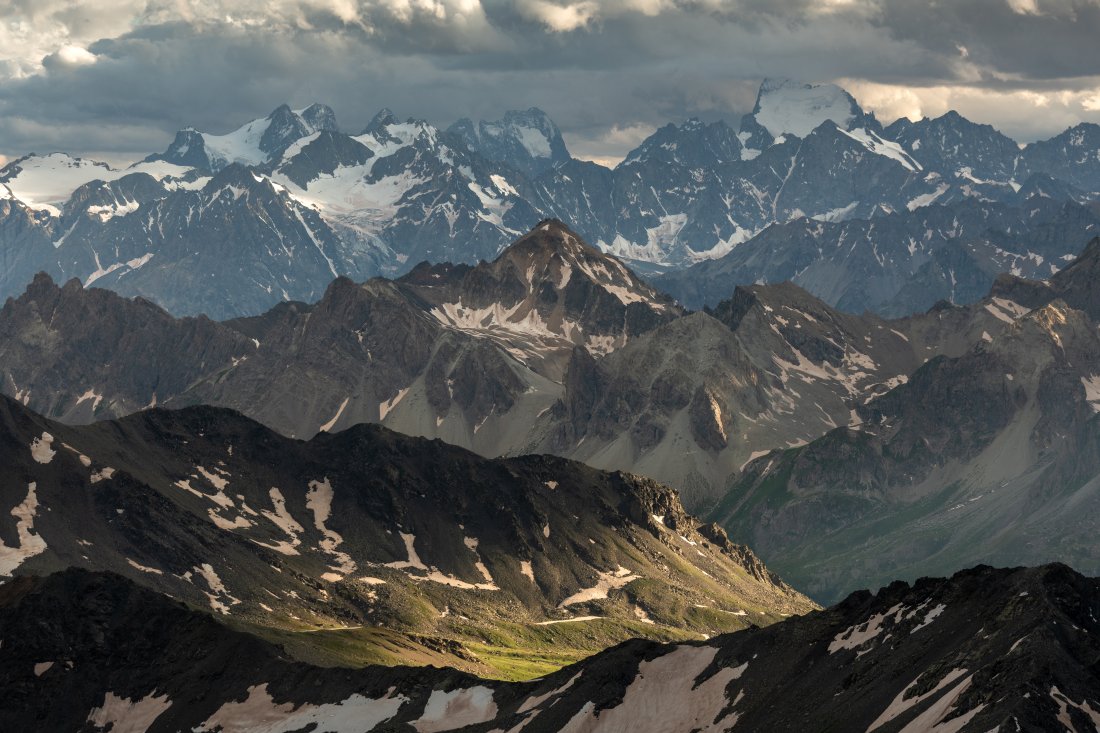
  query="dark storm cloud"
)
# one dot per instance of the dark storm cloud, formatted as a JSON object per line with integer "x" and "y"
{"x": 606, "y": 71}
{"x": 1053, "y": 40}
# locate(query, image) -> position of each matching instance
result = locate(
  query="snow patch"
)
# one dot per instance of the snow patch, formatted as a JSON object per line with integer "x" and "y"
{"x": 92, "y": 395}
{"x": 456, "y": 709}
{"x": 903, "y": 703}
{"x": 1092, "y": 391}
{"x": 42, "y": 449}
{"x": 143, "y": 568}
{"x": 929, "y": 617}
{"x": 666, "y": 695}
{"x": 410, "y": 551}
{"x": 339, "y": 411}
{"x": 569, "y": 620}
{"x": 1005, "y": 310}
{"x": 927, "y": 199}
{"x": 607, "y": 581}
{"x": 218, "y": 595}
{"x": 29, "y": 543}
{"x": 282, "y": 519}
{"x": 1065, "y": 703}
{"x": 124, "y": 715}
{"x": 259, "y": 713}
{"x": 885, "y": 148}
{"x": 384, "y": 408}
{"x": 533, "y": 141}
{"x": 319, "y": 501}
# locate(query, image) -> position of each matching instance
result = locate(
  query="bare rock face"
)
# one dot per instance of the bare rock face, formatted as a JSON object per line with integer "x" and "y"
{"x": 506, "y": 358}
{"x": 552, "y": 347}
{"x": 899, "y": 262}
{"x": 1075, "y": 285}
{"x": 78, "y": 354}
{"x": 959, "y": 451}
{"x": 548, "y": 292}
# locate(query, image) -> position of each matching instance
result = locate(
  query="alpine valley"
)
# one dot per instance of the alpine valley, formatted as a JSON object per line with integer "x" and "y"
{"x": 419, "y": 428}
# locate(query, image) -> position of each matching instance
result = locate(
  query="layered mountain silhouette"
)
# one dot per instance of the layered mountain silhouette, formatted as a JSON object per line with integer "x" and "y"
{"x": 425, "y": 545}
{"x": 847, "y": 449}
{"x": 989, "y": 454}
{"x": 984, "y": 650}
{"x": 808, "y": 187}
{"x": 553, "y": 347}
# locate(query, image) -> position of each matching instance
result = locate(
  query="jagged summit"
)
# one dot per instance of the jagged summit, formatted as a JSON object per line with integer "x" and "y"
{"x": 551, "y": 255}
{"x": 552, "y": 235}
{"x": 542, "y": 295}
{"x": 527, "y": 141}
{"x": 693, "y": 143}
{"x": 382, "y": 119}
{"x": 255, "y": 143}
{"x": 320, "y": 117}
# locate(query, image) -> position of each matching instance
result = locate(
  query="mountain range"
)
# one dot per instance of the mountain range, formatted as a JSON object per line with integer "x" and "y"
{"x": 552, "y": 347}
{"x": 423, "y": 429}
{"x": 389, "y": 548}
{"x": 848, "y": 450}
{"x": 808, "y": 188}
{"x": 984, "y": 650}
{"x": 988, "y": 454}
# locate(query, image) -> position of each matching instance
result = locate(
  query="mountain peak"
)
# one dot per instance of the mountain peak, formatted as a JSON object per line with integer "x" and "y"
{"x": 283, "y": 111}
{"x": 556, "y": 226}
{"x": 527, "y": 140}
{"x": 552, "y": 254}
{"x": 320, "y": 117}
{"x": 531, "y": 114}
{"x": 254, "y": 143}
{"x": 785, "y": 107}
{"x": 552, "y": 236}
{"x": 382, "y": 119}
{"x": 692, "y": 143}
{"x": 284, "y": 127}
{"x": 544, "y": 294}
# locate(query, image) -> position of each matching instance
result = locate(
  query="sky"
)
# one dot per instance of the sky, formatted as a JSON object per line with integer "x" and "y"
{"x": 114, "y": 79}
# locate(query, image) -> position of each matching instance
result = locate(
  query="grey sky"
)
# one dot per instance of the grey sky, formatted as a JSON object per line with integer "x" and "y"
{"x": 118, "y": 77}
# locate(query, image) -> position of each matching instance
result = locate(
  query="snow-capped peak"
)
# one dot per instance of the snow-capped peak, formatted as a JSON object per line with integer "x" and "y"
{"x": 552, "y": 250}
{"x": 784, "y": 107}
{"x": 255, "y": 143}
{"x": 526, "y": 140}
{"x": 45, "y": 182}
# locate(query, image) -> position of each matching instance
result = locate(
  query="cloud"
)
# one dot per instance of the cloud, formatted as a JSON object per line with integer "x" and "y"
{"x": 567, "y": 17}
{"x": 69, "y": 55}
{"x": 608, "y": 147}
{"x": 1024, "y": 114}
{"x": 122, "y": 75}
